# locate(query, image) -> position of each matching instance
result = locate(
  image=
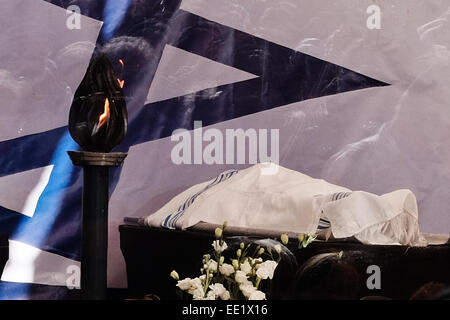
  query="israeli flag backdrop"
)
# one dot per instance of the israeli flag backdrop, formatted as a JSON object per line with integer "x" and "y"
{"x": 359, "y": 91}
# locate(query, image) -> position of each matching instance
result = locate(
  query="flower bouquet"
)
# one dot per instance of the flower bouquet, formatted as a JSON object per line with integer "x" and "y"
{"x": 243, "y": 273}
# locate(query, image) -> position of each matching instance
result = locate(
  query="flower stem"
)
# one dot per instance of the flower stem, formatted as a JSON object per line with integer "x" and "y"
{"x": 258, "y": 281}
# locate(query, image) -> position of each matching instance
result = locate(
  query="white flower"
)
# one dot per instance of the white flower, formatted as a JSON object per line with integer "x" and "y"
{"x": 257, "y": 295}
{"x": 247, "y": 289}
{"x": 190, "y": 285}
{"x": 226, "y": 269}
{"x": 198, "y": 293}
{"x": 225, "y": 295}
{"x": 211, "y": 295}
{"x": 196, "y": 288}
{"x": 246, "y": 282}
{"x": 217, "y": 288}
{"x": 211, "y": 265}
{"x": 266, "y": 269}
{"x": 277, "y": 248}
{"x": 284, "y": 238}
{"x": 218, "y": 232}
{"x": 184, "y": 284}
{"x": 196, "y": 283}
{"x": 219, "y": 248}
{"x": 240, "y": 276}
{"x": 246, "y": 267}
{"x": 175, "y": 275}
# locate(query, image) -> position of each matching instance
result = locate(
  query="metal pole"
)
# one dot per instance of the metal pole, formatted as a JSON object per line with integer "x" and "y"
{"x": 94, "y": 249}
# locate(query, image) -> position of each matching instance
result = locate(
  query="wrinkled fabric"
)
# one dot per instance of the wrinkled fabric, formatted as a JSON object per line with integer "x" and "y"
{"x": 391, "y": 218}
{"x": 289, "y": 201}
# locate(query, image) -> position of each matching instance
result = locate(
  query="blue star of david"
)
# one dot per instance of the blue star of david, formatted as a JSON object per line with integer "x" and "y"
{"x": 285, "y": 76}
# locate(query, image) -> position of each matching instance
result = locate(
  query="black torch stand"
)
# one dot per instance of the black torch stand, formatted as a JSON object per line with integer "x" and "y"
{"x": 94, "y": 247}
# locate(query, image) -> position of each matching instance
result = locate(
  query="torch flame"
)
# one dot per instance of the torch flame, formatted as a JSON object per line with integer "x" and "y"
{"x": 121, "y": 82}
{"x": 105, "y": 115}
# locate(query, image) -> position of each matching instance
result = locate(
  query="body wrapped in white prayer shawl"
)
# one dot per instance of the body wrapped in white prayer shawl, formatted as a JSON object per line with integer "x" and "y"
{"x": 271, "y": 197}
